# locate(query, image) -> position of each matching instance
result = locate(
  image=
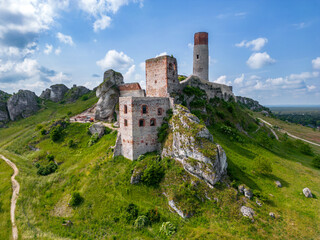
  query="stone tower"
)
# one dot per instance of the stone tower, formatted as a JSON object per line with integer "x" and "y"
{"x": 161, "y": 76}
{"x": 201, "y": 56}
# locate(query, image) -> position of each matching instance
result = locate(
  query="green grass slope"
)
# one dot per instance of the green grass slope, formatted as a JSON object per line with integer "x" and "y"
{"x": 5, "y": 197}
{"x": 103, "y": 183}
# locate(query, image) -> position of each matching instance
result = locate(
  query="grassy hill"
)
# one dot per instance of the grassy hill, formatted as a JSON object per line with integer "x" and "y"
{"x": 107, "y": 197}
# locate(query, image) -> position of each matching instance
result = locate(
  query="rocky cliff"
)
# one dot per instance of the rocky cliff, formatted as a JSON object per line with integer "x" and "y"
{"x": 55, "y": 93}
{"x": 191, "y": 143}
{"x": 4, "y": 115}
{"x": 108, "y": 94}
{"x": 22, "y": 104}
{"x": 75, "y": 93}
{"x": 251, "y": 104}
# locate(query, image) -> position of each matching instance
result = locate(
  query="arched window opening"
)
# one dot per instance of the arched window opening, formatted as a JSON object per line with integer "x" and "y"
{"x": 125, "y": 122}
{"x": 125, "y": 109}
{"x": 160, "y": 110}
{"x": 152, "y": 122}
{"x": 141, "y": 123}
{"x": 144, "y": 109}
{"x": 197, "y": 56}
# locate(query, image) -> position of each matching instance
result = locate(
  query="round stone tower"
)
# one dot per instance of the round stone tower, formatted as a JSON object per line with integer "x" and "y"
{"x": 201, "y": 56}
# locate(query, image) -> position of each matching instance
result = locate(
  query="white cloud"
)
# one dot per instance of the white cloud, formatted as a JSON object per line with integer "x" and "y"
{"x": 304, "y": 75}
{"x": 258, "y": 60}
{"x": 5, "y": 67}
{"x": 60, "y": 77}
{"x": 190, "y": 45}
{"x": 129, "y": 75}
{"x": 115, "y": 60}
{"x": 102, "y": 23}
{"x": 162, "y": 54}
{"x": 239, "y": 80}
{"x": 300, "y": 25}
{"x": 65, "y": 38}
{"x": 57, "y": 51}
{"x": 311, "y": 87}
{"x": 142, "y": 66}
{"x": 222, "y": 80}
{"x": 48, "y": 49}
{"x": 240, "y": 14}
{"x": 98, "y": 9}
{"x": 316, "y": 63}
{"x": 256, "y": 44}
{"x": 28, "y": 67}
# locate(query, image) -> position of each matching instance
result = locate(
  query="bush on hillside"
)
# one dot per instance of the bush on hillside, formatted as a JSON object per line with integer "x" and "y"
{"x": 316, "y": 161}
{"x": 94, "y": 138}
{"x": 305, "y": 148}
{"x": 84, "y": 98}
{"x": 141, "y": 222}
{"x": 168, "y": 228}
{"x": 262, "y": 166}
{"x": 76, "y": 199}
{"x": 46, "y": 170}
{"x": 56, "y": 133}
{"x": 50, "y": 157}
{"x": 71, "y": 143}
{"x": 153, "y": 174}
{"x": 131, "y": 212}
{"x": 153, "y": 215}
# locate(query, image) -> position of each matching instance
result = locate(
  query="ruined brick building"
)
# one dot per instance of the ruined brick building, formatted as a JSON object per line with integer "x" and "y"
{"x": 141, "y": 113}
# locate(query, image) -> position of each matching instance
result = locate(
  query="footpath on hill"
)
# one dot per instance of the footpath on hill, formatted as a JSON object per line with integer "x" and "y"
{"x": 289, "y": 134}
{"x": 15, "y": 189}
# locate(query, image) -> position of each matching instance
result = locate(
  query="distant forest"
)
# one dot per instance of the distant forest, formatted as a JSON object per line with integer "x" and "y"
{"x": 307, "y": 116}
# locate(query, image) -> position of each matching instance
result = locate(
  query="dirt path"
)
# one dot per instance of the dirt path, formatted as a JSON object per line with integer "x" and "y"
{"x": 15, "y": 189}
{"x": 289, "y": 134}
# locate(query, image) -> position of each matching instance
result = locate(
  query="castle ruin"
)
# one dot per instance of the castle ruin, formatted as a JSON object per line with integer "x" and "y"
{"x": 141, "y": 113}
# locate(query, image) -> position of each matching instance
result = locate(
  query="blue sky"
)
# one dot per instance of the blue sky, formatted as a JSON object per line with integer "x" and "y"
{"x": 267, "y": 50}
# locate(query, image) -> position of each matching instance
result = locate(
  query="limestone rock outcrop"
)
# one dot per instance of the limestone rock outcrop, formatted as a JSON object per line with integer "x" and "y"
{"x": 192, "y": 144}
{"x": 4, "y": 115}
{"x": 22, "y": 104}
{"x": 108, "y": 94}
{"x": 252, "y": 104}
{"x": 247, "y": 212}
{"x": 307, "y": 192}
{"x": 97, "y": 128}
{"x": 55, "y": 93}
{"x": 75, "y": 93}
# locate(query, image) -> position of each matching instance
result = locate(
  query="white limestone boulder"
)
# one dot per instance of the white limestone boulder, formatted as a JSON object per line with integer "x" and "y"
{"x": 191, "y": 143}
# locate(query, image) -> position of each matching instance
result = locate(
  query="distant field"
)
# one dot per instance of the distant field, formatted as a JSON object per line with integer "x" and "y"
{"x": 296, "y": 110}
{"x": 293, "y": 128}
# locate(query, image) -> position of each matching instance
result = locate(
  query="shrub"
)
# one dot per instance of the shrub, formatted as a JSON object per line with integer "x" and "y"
{"x": 189, "y": 90}
{"x": 107, "y": 130}
{"x": 220, "y": 114}
{"x": 84, "y": 98}
{"x": 69, "y": 113}
{"x": 168, "y": 228}
{"x": 263, "y": 197}
{"x": 198, "y": 103}
{"x": 316, "y": 161}
{"x": 141, "y": 157}
{"x": 153, "y": 215}
{"x": 153, "y": 174}
{"x": 262, "y": 166}
{"x": 141, "y": 222}
{"x": 71, "y": 143}
{"x": 305, "y": 149}
{"x": 39, "y": 126}
{"x": 50, "y": 157}
{"x": 56, "y": 133}
{"x": 43, "y": 132}
{"x": 94, "y": 138}
{"x": 181, "y": 78}
{"x": 131, "y": 212}
{"x": 50, "y": 168}
{"x": 76, "y": 199}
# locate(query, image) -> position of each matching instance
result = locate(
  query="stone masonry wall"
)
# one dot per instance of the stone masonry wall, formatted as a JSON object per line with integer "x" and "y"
{"x": 161, "y": 76}
{"x": 135, "y": 139}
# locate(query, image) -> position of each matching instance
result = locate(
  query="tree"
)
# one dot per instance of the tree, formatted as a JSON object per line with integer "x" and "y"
{"x": 262, "y": 166}
{"x": 316, "y": 161}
